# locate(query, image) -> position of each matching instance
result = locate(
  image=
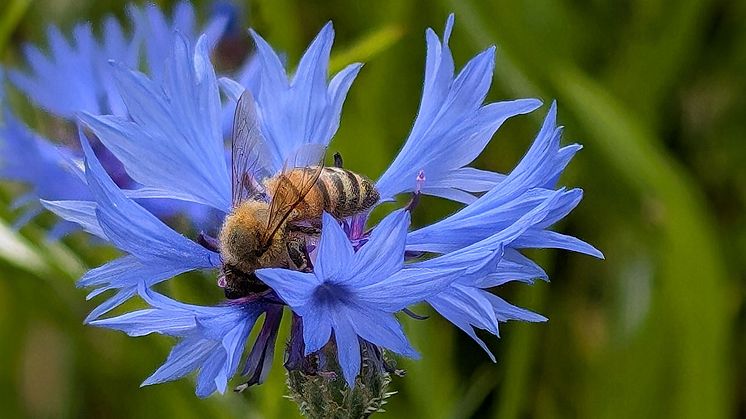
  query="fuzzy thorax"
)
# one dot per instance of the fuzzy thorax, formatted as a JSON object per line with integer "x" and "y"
{"x": 241, "y": 243}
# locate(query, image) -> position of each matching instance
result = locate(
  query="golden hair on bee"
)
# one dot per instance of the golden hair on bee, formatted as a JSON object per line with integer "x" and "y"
{"x": 241, "y": 238}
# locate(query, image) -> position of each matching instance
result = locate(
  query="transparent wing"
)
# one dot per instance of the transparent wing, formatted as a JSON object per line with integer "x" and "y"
{"x": 296, "y": 180}
{"x": 249, "y": 154}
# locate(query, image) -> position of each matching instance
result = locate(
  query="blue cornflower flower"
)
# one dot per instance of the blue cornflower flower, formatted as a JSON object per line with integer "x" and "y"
{"x": 77, "y": 77}
{"x": 344, "y": 302}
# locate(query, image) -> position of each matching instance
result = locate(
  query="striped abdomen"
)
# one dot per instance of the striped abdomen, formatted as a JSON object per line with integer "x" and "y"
{"x": 339, "y": 192}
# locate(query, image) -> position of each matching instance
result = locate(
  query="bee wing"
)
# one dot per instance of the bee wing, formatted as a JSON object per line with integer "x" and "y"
{"x": 289, "y": 193}
{"x": 249, "y": 152}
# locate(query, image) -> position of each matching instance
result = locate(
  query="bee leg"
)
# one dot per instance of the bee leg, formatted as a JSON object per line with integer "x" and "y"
{"x": 235, "y": 286}
{"x": 208, "y": 242}
{"x": 298, "y": 255}
{"x": 338, "y": 160}
{"x": 238, "y": 284}
{"x": 308, "y": 230}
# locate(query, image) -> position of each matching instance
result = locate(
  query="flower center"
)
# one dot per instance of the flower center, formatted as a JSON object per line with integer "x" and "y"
{"x": 331, "y": 293}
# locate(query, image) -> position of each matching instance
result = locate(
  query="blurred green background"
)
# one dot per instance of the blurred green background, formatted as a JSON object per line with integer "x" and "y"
{"x": 654, "y": 90}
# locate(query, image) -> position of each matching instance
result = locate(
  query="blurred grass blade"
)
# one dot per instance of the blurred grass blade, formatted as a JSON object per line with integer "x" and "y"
{"x": 10, "y": 17}
{"x": 366, "y": 47}
{"x": 693, "y": 276}
{"x": 481, "y": 383}
{"x": 432, "y": 382}
{"x": 520, "y": 356}
{"x": 658, "y": 58}
{"x": 63, "y": 258}
{"x": 19, "y": 252}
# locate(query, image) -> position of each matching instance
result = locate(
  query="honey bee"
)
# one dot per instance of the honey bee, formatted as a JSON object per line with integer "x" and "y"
{"x": 273, "y": 215}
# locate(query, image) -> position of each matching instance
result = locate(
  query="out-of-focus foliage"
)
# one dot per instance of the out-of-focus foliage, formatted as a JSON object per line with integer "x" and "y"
{"x": 654, "y": 91}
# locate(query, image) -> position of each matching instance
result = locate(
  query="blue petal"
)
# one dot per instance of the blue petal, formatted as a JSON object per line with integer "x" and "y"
{"x": 382, "y": 329}
{"x": 481, "y": 259}
{"x": 116, "y": 46}
{"x": 80, "y": 212}
{"x": 295, "y": 288}
{"x": 317, "y": 327}
{"x": 75, "y": 77}
{"x": 467, "y": 179}
{"x": 460, "y": 319}
{"x": 209, "y": 379}
{"x": 114, "y": 301}
{"x": 473, "y": 304}
{"x": 348, "y": 349}
{"x": 259, "y": 361}
{"x": 506, "y": 311}
{"x": 546, "y": 239}
{"x": 185, "y": 357}
{"x": 159, "y": 34}
{"x": 29, "y": 158}
{"x": 335, "y": 250}
{"x": 338, "y": 89}
{"x": 480, "y": 219}
{"x": 144, "y": 322}
{"x": 65, "y": 81}
{"x": 383, "y": 254}
{"x": 157, "y": 251}
{"x": 233, "y": 90}
{"x": 406, "y": 287}
{"x": 213, "y": 337}
{"x": 124, "y": 275}
{"x": 541, "y": 165}
{"x": 512, "y": 267}
{"x": 33, "y": 160}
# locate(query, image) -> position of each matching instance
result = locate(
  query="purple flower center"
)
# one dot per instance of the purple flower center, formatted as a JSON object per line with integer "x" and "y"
{"x": 330, "y": 293}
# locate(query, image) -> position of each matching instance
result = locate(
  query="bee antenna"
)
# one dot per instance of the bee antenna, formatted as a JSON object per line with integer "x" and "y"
{"x": 338, "y": 160}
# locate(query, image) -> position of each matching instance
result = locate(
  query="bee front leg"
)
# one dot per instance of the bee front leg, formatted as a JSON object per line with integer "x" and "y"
{"x": 298, "y": 255}
{"x": 309, "y": 230}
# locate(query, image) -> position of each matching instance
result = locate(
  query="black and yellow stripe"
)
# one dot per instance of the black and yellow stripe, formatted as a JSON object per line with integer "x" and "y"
{"x": 345, "y": 193}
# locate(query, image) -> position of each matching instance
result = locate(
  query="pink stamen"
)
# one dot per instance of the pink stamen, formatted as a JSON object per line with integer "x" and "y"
{"x": 419, "y": 181}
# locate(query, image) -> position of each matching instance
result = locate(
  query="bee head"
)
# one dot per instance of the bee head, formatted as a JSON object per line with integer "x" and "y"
{"x": 242, "y": 237}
